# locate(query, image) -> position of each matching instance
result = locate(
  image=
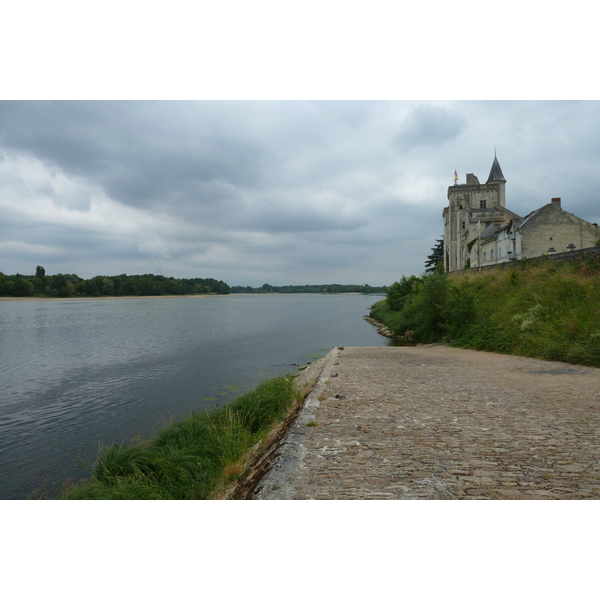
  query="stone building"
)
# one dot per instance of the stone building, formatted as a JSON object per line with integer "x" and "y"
{"x": 480, "y": 230}
{"x": 472, "y": 208}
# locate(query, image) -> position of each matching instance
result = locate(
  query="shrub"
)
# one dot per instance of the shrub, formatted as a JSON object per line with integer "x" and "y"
{"x": 549, "y": 310}
{"x": 399, "y": 291}
{"x": 429, "y": 307}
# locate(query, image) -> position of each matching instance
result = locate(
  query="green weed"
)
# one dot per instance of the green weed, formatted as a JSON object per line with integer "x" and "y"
{"x": 191, "y": 458}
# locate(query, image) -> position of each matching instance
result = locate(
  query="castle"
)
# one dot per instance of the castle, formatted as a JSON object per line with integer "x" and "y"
{"x": 479, "y": 230}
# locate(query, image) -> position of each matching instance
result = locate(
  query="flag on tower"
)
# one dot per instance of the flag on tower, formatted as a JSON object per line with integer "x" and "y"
{"x": 455, "y": 176}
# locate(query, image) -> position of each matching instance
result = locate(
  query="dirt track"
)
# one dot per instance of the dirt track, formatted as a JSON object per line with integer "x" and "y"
{"x": 434, "y": 422}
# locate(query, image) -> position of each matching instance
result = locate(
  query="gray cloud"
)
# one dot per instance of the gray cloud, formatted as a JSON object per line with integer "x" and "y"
{"x": 428, "y": 125}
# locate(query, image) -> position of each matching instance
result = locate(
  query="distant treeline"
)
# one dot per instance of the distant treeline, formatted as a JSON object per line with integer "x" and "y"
{"x": 334, "y": 288}
{"x": 69, "y": 285}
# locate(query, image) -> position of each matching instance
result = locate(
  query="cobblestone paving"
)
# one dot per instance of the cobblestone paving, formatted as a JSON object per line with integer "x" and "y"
{"x": 433, "y": 422}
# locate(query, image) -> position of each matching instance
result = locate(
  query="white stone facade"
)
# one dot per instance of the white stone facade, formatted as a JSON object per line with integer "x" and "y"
{"x": 472, "y": 207}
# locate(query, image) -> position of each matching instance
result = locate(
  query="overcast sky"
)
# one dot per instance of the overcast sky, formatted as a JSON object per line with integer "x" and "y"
{"x": 284, "y": 192}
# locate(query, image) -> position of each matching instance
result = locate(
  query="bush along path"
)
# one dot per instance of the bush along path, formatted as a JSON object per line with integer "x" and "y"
{"x": 545, "y": 310}
{"x": 198, "y": 457}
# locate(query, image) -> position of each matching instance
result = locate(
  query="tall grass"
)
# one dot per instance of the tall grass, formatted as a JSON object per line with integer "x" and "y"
{"x": 191, "y": 458}
{"x": 545, "y": 310}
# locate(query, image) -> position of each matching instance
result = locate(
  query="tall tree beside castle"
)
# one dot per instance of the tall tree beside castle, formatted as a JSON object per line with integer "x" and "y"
{"x": 436, "y": 257}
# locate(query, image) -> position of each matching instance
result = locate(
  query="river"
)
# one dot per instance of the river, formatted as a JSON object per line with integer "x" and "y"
{"x": 80, "y": 373}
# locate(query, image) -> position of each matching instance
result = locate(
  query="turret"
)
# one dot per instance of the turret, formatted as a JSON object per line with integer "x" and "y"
{"x": 497, "y": 177}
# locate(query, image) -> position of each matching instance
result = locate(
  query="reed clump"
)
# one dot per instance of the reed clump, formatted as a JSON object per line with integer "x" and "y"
{"x": 194, "y": 458}
{"x": 547, "y": 310}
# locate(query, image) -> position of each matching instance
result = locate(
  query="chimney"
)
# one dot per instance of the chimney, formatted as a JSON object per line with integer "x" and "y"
{"x": 556, "y": 201}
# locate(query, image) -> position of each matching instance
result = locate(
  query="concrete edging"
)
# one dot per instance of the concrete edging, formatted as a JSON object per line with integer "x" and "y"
{"x": 277, "y": 483}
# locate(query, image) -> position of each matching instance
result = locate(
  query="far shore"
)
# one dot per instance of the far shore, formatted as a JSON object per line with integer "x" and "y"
{"x": 43, "y": 299}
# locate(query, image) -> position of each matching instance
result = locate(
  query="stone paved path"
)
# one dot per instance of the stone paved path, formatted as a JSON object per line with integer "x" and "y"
{"x": 433, "y": 422}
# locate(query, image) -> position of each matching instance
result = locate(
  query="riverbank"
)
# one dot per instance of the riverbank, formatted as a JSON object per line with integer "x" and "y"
{"x": 382, "y": 328}
{"x": 257, "y": 462}
{"x": 543, "y": 310}
{"x": 213, "y": 455}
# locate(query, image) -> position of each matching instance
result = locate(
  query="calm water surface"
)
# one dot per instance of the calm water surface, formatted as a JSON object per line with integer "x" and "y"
{"x": 79, "y": 373}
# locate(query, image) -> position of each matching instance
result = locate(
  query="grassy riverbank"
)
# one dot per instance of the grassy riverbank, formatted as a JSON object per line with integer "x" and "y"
{"x": 546, "y": 310}
{"x": 192, "y": 459}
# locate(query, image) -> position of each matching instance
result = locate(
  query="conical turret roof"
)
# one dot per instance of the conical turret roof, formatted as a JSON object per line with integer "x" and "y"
{"x": 496, "y": 172}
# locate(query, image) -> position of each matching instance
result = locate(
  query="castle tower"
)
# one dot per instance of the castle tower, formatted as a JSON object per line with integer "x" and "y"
{"x": 472, "y": 206}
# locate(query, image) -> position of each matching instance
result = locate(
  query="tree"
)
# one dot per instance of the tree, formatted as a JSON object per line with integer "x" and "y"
{"x": 40, "y": 272}
{"x": 436, "y": 257}
{"x": 60, "y": 286}
{"x": 399, "y": 291}
{"x": 108, "y": 287}
{"x": 431, "y": 306}
{"x": 22, "y": 287}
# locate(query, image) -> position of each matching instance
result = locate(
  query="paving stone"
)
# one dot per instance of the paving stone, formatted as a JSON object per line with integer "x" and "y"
{"x": 433, "y": 422}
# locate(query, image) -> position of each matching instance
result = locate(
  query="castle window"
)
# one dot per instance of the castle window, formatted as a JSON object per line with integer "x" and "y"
{"x": 463, "y": 224}
{"x": 492, "y": 255}
{"x": 484, "y": 256}
{"x": 483, "y": 204}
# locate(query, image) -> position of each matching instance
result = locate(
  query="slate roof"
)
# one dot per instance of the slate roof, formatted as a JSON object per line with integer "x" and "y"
{"x": 490, "y": 231}
{"x": 496, "y": 172}
{"x": 530, "y": 216}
